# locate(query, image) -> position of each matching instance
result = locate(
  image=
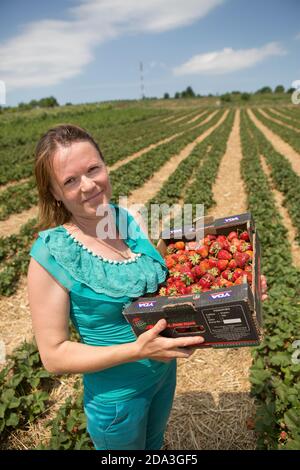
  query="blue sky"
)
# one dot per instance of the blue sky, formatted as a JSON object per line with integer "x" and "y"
{"x": 90, "y": 50}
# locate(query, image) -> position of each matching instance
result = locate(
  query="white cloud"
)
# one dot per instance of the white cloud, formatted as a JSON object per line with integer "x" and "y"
{"x": 227, "y": 60}
{"x": 50, "y": 51}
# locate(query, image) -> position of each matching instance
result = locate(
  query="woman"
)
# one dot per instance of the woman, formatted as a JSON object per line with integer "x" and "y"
{"x": 129, "y": 383}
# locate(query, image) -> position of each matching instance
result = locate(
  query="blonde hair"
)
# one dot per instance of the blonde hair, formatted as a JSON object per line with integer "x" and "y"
{"x": 50, "y": 213}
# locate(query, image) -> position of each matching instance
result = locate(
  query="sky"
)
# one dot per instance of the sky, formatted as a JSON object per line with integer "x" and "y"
{"x": 84, "y": 51}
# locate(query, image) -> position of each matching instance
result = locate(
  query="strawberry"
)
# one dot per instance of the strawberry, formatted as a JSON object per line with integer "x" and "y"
{"x": 215, "y": 247}
{"x": 195, "y": 288}
{"x": 191, "y": 245}
{"x": 163, "y": 291}
{"x": 198, "y": 271}
{"x": 171, "y": 248}
{"x": 232, "y": 235}
{"x": 187, "y": 277}
{"x": 241, "y": 259}
{"x": 214, "y": 271}
{"x": 180, "y": 245}
{"x": 221, "y": 239}
{"x": 249, "y": 276}
{"x": 212, "y": 262}
{"x": 203, "y": 251}
{"x": 170, "y": 262}
{"x": 244, "y": 236}
{"x": 195, "y": 259}
{"x": 238, "y": 272}
{"x": 206, "y": 281}
{"x": 239, "y": 281}
{"x": 204, "y": 265}
{"x": 209, "y": 239}
{"x": 250, "y": 253}
{"x": 227, "y": 274}
{"x": 222, "y": 264}
{"x": 232, "y": 264}
{"x": 224, "y": 254}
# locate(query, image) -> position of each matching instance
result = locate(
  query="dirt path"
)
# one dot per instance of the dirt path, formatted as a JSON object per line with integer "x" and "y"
{"x": 3, "y": 187}
{"x": 279, "y": 145}
{"x": 196, "y": 117}
{"x": 15, "y": 221}
{"x": 295, "y": 248}
{"x": 153, "y": 185}
{"x": 281, "y": 123}
{"x": 15, "y": 320}
{"x": 218, "y": 404}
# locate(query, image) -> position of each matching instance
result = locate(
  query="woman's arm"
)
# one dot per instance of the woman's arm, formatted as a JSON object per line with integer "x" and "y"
{"x": 49, "y": 306}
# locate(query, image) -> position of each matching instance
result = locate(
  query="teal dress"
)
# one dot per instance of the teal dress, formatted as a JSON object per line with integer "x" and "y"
{"x": 98, "y": 290}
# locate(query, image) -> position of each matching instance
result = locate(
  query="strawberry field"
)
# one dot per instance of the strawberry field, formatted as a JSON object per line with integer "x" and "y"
{"x": 230, "y": 159}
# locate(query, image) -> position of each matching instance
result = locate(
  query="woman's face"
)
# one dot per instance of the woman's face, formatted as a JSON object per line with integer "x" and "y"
{"x": 80, "y": 178}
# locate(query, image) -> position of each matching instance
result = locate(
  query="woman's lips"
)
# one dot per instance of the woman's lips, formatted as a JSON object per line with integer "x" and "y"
{"x": 92, "y": 197}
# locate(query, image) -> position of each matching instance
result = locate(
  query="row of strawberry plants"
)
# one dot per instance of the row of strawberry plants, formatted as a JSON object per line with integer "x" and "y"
{"x": 288, "y": 135}
{"x": 283, "y": 175}
{"x": 22, "y": 196}
{"x": 274, "y": 374}
{"x": 23, "y": 390}
{"x": 16, "y": 151}
{"x": 281, "y": 117}
{"x": 176, "y": 185}
{"x": 135, "y": 173}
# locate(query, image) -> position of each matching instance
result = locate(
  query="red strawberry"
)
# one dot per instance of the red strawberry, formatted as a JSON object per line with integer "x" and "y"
{"x": 232, "y": 235}
{"x": 209, "y": 239}
{"x": 224, "y": 254}
{"x": 212, "y": 262}
{"x": 170, "y": 262}
{"x": 222, "y": 264}
{"x": 191, "y": 245}
{"x": 227, "y": 274}
{"x": 215, "y": 247}
{"x": 221, "y": 238}
{"x": 244, "y": 236}
{"x": 232, "y": 264}
{"x": 206, "y": 281}
{"x": 238, "y": 272}
{"x": 241, "y": 259}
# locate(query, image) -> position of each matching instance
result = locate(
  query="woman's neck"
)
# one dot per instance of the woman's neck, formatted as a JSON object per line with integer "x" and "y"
{"x": 97, "y": 226}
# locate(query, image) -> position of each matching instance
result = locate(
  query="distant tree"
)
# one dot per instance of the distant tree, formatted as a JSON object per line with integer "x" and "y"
{"x": 177, "y": 95}
{"x": 226, "y": 97}
{"x": 245, "y": 96}
{"x": 189, "y": 92}
{"x": 290, "y": 90}
{"x": 279, "y": 89}
{"x": 68, "y": 103}
{"x": 166, "y": 96}
{"x": 235, "y": 92}
{"x": 264, "y": 89}
{"x": 48, "y": 102}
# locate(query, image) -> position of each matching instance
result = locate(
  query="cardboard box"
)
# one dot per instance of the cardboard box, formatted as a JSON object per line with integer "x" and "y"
{"x": 227, "y": 317}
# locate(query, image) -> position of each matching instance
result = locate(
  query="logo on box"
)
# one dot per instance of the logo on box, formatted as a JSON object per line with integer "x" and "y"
{"x": 220, "y": 295}
{"x": 147, "y": 304}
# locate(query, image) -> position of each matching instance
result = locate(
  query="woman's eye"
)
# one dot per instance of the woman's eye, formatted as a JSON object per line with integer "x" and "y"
{"x": 69, "y": 181}
{"x": 93, "y": 168}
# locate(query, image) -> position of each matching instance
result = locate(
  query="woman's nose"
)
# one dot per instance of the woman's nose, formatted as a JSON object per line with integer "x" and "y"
{"x": 86, "y": 183}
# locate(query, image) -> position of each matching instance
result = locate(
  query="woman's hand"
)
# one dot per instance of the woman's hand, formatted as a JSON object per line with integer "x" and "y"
{"x": 264, "y": 288}
{"x": 153, "y": 346}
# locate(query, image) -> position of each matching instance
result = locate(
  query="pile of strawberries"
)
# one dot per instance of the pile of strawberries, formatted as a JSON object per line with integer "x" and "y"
{"x": 213, "y": 263}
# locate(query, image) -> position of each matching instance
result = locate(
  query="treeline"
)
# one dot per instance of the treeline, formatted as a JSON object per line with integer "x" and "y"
{"x": 227, "y": 97}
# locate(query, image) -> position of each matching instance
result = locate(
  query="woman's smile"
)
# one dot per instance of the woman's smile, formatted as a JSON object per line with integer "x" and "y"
{"x": 93, "y": 197}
